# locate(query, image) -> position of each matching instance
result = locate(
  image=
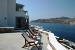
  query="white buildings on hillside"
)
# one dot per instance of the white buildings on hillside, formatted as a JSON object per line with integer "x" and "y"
{"x": 12, "y": 14}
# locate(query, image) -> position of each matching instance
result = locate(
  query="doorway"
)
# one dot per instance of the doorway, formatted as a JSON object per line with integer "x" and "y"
{"x": 20, "y": 22}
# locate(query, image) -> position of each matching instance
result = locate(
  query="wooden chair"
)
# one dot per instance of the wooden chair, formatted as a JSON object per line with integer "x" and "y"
{"x": 38, "y": 38}
{"x": 35, "y": 34}
{"x": 31, "y": 35}
{"x": 30, "y": 42}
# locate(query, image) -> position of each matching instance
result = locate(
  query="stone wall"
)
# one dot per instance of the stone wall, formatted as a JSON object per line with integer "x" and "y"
{"x": 6, "y": 30}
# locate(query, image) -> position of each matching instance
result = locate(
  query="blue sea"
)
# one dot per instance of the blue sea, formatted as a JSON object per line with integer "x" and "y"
{"x": 61, "y": 30}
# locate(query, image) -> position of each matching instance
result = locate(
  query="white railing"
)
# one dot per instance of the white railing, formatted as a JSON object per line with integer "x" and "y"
{"x": 21, "y": 14}
{"x": 55, "y": 43}
{"x": 27, "y": 16}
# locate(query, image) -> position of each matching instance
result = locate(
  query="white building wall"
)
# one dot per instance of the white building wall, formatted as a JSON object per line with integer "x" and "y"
{"x": 20, "y": 14}
{"x": 3, "y": 13}
{"x": 8, "y": 11}
{"x": 11, "y": 13}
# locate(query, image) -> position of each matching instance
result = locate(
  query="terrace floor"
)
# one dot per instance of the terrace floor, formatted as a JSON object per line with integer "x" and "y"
{"x": 14, "y": 41}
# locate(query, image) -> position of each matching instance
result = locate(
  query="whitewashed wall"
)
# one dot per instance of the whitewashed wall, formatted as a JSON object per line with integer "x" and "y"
{"x": 3, "y": 13}
{"x": 20, "y": 14}
{"x": 11, "y": 12}
{"x": 8, "y": 11}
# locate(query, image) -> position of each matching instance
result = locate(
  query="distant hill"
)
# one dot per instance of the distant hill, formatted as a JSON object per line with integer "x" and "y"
{"x": 66, "y": 20}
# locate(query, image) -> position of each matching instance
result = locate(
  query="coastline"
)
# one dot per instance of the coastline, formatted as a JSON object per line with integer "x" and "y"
{"x": 72, "y": 24}
{"x": 16, "y": 43}
{"x": 61, "y": 30}
{"x": 63, "y": 20}
{"x": 62, "y": 41}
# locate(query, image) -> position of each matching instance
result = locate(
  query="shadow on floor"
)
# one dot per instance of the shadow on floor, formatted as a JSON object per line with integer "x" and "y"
{"x": 35, "y": 48}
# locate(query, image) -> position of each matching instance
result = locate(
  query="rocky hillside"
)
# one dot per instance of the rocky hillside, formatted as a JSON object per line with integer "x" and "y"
{"x": 56, "y": 20}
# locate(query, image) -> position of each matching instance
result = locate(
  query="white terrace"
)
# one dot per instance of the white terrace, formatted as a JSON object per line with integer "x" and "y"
{"x": 15, "y": 41}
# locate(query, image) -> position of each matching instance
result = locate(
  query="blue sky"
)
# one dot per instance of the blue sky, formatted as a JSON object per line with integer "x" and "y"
{"x": 41, "y": 9}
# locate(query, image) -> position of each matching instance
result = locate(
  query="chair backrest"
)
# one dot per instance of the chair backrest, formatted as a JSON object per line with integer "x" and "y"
{"x": 31, "y": 31}
{"x": 26, "y": 37}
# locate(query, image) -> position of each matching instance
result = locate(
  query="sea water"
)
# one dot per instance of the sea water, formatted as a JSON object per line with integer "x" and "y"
{"x": 61, "y": 30}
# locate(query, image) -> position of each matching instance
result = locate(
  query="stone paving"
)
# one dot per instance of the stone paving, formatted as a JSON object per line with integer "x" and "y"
{"x": 14, "y": 41}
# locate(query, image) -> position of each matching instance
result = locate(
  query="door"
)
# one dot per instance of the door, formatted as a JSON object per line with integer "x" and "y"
{"x": 18, "y": 22}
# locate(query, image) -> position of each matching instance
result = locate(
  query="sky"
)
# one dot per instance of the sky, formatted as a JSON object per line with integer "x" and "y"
{"x": 44, "y": 9}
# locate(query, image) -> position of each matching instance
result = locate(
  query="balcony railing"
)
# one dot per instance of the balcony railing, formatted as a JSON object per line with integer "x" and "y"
{"x": 21, "y": 14}
{"x": 27, "y": 16}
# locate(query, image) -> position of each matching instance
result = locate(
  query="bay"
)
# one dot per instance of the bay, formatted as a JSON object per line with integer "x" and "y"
{"x": 60, "y": 30}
